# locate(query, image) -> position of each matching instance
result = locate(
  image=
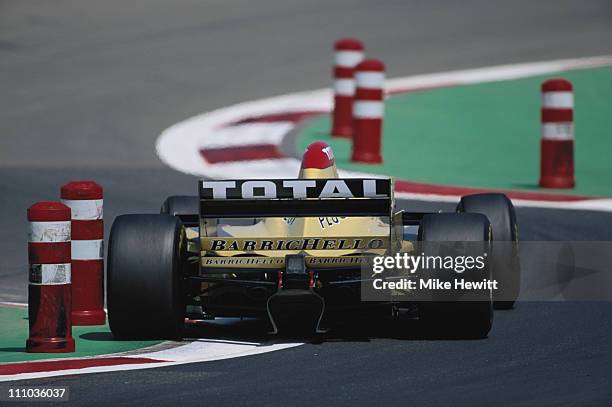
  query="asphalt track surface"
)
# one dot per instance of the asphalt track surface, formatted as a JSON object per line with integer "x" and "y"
{"x": 88, "y": 86}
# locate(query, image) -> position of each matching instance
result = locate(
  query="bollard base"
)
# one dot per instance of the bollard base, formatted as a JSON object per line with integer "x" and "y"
{"x": 342, "y": 132}
{"x": 557, "y": 182}
{"x": 50, "y": 345}
{"x": 342, "y": 117}
{"x": 95, "y": 317}
{"x": 366, "y": 158}
{"x": 88, "y": 292}
{"x": 557, "y": 164}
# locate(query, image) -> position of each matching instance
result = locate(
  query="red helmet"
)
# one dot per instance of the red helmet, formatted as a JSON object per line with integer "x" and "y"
{"x": 318, "y": 161}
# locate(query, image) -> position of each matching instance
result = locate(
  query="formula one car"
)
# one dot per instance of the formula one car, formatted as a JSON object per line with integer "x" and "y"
{"x": 289, "y": 251}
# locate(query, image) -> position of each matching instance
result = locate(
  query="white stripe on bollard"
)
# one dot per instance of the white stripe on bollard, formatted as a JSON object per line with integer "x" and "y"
{"x": 344, "y": 87}
{"x": 86, "y": 209}
{"x": 50, "y": 274}
{"x": 558, "y": 131}
{"x": 348, "y": 58}
{"x": 87, "y": 249}
{"x": 370, "y": 80}
{"x": 558, "y": 100}
{"x": 363, "y": 109}
{"x": 49, "y": 232}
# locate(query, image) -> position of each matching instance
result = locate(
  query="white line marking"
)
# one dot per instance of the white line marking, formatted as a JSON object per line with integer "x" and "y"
{"x": 193, "y": 352}
{"x": 248, "y": 134}
{"x": 256, "y": 169}
{"x": 178, "y": 146}
{"x": 13, "y": 304}
{"x": 497, "y": 73}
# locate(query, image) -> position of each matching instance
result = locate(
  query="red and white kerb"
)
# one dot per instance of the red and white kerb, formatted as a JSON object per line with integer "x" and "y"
{"x": 557, "y": 142}
{"x": 348, "y": 53}
{"x": 85, "y": 198}
{"x": 49, "y": 288}
{"x": 368, "y": 110}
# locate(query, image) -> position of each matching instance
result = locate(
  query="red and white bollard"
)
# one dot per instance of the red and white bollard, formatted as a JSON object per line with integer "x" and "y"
{"x": 49, "y": 289}
{"x": 557, "y": 143}
{"x": 348, "y": 53}
{"x": 85, "y": 198}
{"x": 368, "y": 110}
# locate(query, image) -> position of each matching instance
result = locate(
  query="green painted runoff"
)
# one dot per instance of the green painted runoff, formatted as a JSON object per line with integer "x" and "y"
{"x": 90, "y": 340}
{"x": 486, "y": 135}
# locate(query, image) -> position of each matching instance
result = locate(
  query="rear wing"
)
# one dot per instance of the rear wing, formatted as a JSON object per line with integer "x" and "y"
{"x": 291, "y": 198}
{"x": 296, "y": 198}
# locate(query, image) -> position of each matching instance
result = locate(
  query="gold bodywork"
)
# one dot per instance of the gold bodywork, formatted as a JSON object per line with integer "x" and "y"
{"x": 350, "y": 238}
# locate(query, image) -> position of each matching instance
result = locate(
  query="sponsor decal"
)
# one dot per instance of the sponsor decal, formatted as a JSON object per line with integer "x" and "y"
{"x": 295, "y": 189}
{"x": 243, "y": 262}
{"x": 308, "y": 243}
{"x": 329, "y": 221}
{"x": 329, "y": 153}
{"x": 335, "y": 261}
{"x": 279, "y": 262}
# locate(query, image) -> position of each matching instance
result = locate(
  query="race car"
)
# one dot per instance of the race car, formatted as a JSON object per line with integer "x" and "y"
{"x": 292, "y": 251}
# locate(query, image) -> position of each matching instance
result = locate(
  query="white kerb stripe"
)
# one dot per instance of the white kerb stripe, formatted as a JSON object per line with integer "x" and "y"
{"x": 559, "y": 100}
{"x": 50, "y": 274}
{"x": 49, "y": 232}
{"x": 348, "y": 59}
{"x": 558, "y": 131}
{"x": 370, "y": 80}
{"x": 368, "y": 109}
{"x": 86, "y": 209}
{"x": 344, "y": 87}
{"x": 87, "y": 249}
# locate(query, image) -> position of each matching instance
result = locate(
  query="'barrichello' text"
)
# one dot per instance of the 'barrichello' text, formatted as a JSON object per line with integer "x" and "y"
{"x": 295, "y": 189}
{"x": 313, "y": 243}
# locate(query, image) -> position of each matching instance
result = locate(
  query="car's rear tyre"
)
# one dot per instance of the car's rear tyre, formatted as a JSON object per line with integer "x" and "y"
{"x": 504, "y": 260}
{"x": 146, "y": 298}
{"x": 457, "y": 319}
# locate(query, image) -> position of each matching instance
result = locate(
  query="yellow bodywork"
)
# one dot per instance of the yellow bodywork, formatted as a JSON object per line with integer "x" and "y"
{"x": 275, "y": 229}
{"x": 331, "y": 227}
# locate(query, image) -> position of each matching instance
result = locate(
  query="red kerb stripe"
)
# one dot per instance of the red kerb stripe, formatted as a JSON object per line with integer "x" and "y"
{"x": 242, "y": 153}
{"x": 417, "y": 187}
{"x": 293, "y": 117}
{"x": 54, "y": 365}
